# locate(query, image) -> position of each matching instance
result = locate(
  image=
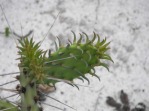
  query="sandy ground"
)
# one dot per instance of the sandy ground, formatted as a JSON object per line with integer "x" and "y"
{"x": 124, "y": 23}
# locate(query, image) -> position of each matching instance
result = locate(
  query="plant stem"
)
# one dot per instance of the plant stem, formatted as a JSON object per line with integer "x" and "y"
{"x": 29, "y": 97}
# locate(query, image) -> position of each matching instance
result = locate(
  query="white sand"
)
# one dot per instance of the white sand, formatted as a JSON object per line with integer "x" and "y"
{"x": 124, "y": 23}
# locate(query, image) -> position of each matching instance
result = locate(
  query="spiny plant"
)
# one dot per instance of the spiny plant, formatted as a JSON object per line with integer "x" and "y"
{"x": 67, "y": 63}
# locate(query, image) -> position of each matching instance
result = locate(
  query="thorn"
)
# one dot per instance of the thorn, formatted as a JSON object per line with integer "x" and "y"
{"x": 65, "y": 81}
{"x": 106, "y": 44}
{"x": 58, "y": 101}
{"x": 82, "y": 75}
{"x": 8, "y": 82}
{"x": 93, "y": 37}
{"x": 9, "y": 73}
{"x": 74, "y": 40}
{"x": 78, "y": 47}
{"x": 79, "y": 41}
{"x": 83, "y": 85}
{"x": 76, "y": 86}
{"x": 53, "y": 106}
{"x": 11, "y": 90}
{"x": 87, "y": 39}
{"x": 102, "y": 42}
{"x": 61, "y": 80}
{"x": 56, "y": 47}
{"x": 69, "y": 41}
{"x": 50, "y": 27}
{"x": 28, "y": 34}
{"x": 105, "y": 56}
{"x": 21, "y": 29}
{"x": 81, "y": 79}
{"x": 93, "y": 73}
{"x": 60, "y": 59}
{"x": 72, "y": 55}
{"x": 86, "y": 64}
{"x": 89, "y": 55}
{"x": 97, "y": 77}
{"x": 60, "y": 44}
{"x": 104, "y": 65}
{"x": 49, "y": 54}
{"x": 98, "y": 38}
{"x": 9, "y": 96}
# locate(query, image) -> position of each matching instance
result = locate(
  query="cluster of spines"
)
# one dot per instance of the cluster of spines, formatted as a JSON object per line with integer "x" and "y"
{"x": 32, "y": 58}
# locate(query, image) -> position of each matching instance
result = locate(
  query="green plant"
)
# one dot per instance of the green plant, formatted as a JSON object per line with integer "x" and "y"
{"x": 67, "y": 63}
{"x": 7, "y": 32}
{"x": 5, "y": 105}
